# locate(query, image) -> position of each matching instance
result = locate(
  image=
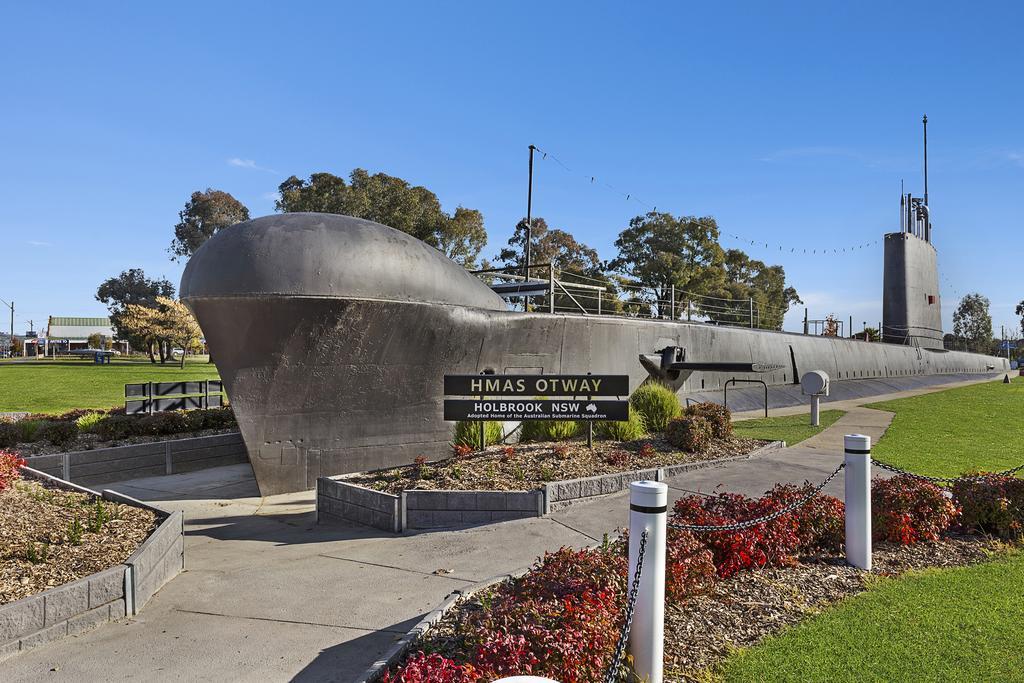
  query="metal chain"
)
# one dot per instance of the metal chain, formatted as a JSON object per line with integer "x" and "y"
{"x": 746, "y": 524}
{"x": 620, "y": 646}
{"x": 946, "y": 480}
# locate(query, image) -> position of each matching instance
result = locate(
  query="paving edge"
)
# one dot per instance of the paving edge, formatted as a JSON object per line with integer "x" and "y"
{"x": 108, "y": 595}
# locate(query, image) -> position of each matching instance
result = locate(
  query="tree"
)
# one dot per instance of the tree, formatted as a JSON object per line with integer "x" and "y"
{"x": 204, "y": 215}
{"x": 132, "y": 287}
{"x": 751, "y": 287}
{"x": 574, "y": 262}
{"x": 661, "y": 251}
{"x": 99, "y": 341}
{"x": 165, "y": 325}
{"x": 1020, "y": 311}
{"x": 391, "y": 201}
{"x": 461, "y": 237}
{"x": 973, "y": 324}
{"x": 831, "y": 326}
{"x": 872, "y": 334}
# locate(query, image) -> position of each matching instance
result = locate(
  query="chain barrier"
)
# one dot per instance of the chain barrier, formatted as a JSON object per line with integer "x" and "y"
{"x": 746, "y": 524}
{"x": 945, "y": 480}
{"x": 620, "y": 646}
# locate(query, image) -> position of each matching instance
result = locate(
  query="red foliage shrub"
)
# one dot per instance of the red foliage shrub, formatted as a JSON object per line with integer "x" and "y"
{"x": 647, "y": 450}
{"x": 820, "y": 523}
{"x": 994, "y": 505}
{"x": 718, "y": 416}
{"x": 770, "y": 544}
{"x": 461, "y": 451}
{"x": 433, "y": 668}
{"x": 908, "y": 510}
{"x": 561, "y": 451}
{"x": 689, "y": 566}
{"x": 507, "y": 453}
{"x": 692, "y": 434}
{"x": 10, "y": 469}
{"x": 561, "y": 619}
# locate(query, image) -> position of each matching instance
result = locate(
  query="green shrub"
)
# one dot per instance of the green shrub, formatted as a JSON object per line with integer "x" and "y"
{"x": 165, "y": 424}
{"x": 719, "y": 416}
{"x": 548, "y": 430}
{"x": 113, "y": 427}
{"x": 468, "y": 433}
{"x": 657, "y": 404}
{"x": 631, "y": 430}
{"x": 691, "y": 434}
{"x": 61, "y": 434}
{"x": 10, "y": 434}
{"x": 30, "y": 428}
{"x": 88, "y": 422}
{"x": 212, "y": 418}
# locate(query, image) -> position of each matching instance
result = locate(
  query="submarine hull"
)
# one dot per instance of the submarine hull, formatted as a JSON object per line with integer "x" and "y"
{"x": 326, "y": 386}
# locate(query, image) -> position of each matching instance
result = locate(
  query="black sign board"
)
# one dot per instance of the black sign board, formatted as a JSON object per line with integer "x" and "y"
{"x": 536, "y": 385}
{"x": 172, "y": 388}
{"x": 534, "y": 409}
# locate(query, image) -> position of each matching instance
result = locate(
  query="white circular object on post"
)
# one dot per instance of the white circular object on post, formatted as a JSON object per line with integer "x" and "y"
{"x": 814, "y": 383}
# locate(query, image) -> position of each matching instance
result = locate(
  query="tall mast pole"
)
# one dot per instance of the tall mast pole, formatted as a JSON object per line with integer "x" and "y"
{"x": 925, "y": 122}
{"x": 529, "y": 220}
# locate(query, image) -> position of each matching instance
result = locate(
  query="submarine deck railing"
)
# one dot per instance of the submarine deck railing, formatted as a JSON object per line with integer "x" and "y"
{"x": 612, "y": 296}
{"x": 573, "y": 296}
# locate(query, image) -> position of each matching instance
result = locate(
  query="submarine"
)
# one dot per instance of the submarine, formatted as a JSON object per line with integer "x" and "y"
{"x": 333, "y": 335}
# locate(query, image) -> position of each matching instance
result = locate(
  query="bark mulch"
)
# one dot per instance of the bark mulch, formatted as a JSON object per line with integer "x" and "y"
{"x": 38, "y": 545}
{"x": 527, "y": 466}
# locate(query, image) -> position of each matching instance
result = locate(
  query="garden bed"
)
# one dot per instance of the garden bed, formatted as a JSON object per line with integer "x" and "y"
{"x": 86, "y": 430}
{"x": 725, "y": 590}
{"x": 53, "y": 536}
{"x": 529, "y": 466}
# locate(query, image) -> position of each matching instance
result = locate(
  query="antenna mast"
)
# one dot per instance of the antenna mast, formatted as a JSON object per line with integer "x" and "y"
{"x": 925, "y": 122}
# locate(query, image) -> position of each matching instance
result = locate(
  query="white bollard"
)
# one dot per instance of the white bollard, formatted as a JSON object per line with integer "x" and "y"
{"x": 858, "y": 500}
{"x": 815, "y": 410}
{"x": 648, "y": 511}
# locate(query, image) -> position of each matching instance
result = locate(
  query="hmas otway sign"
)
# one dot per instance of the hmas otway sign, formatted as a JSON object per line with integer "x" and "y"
{"x": 493, "y": 397}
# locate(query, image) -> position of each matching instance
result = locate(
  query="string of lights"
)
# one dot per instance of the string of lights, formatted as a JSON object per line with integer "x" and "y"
{"x": 741, "y": 239}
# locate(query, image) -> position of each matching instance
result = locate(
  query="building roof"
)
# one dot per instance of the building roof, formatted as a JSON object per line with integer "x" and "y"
{"x": 77, "y": 328}
{"x": 79, "y": 322}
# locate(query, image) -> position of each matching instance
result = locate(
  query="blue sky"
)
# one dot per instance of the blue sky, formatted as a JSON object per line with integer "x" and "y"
{"x": 790, "y": 124}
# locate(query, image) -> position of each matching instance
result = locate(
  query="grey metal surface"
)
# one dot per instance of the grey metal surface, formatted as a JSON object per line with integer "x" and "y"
{"x": 333, "y": 336}
{"x": 316, "y": 254}
{"x": 910, "y": 277}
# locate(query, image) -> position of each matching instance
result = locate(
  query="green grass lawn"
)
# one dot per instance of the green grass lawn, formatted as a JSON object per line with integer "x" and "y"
{"x": 950, "y": 432}
{"x": 790, "y": 428}
{"x": 57, "y": 386}
{"x": 939, "y": 625}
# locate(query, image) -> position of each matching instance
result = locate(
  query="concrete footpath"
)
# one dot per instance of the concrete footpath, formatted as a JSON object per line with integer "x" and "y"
{"x": 268, "y": 595}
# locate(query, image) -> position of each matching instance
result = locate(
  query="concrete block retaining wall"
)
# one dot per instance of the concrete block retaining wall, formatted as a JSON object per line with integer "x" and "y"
{"x": 108, "y": 595}
{"x": 144, "y": 460}
{"x": 338, "y": 500}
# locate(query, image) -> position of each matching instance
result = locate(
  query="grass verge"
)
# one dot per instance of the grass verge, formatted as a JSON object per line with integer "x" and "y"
{"x": 790, "y": 428}
{"x": 951, "y": 432}
{"x": 935, "y": 625}
{"x": 46, "y": 386}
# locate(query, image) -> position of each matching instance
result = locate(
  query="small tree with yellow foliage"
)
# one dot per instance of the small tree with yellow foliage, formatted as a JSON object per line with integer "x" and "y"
{"x": 163, "y": 326}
